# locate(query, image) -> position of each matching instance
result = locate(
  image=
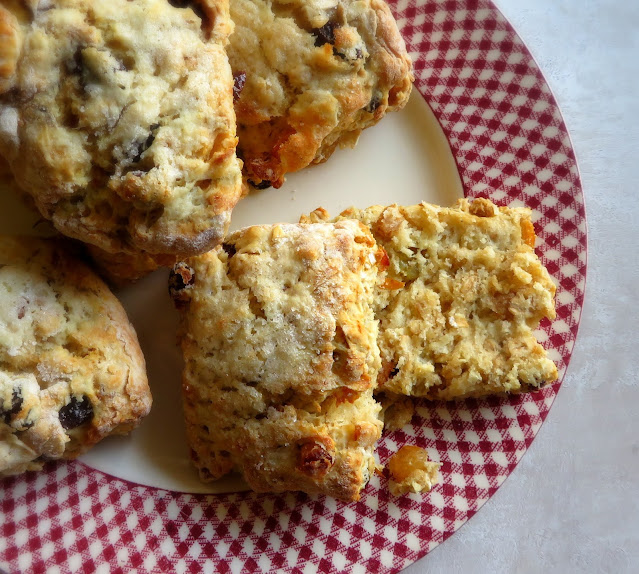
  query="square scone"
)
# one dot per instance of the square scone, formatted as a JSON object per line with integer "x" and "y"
{"x": 310, "y": 76}
{"x": 460, "y": 299}
{"x": 71, "y": 368}
{"x": 117, "y": 121}
{"x": 279, "y": 343}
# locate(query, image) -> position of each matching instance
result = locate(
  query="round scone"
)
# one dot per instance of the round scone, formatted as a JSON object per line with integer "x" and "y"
{"x": 117, "y": 119}
{"x": 71, "y": 368}
{"x": 310, "y": 76}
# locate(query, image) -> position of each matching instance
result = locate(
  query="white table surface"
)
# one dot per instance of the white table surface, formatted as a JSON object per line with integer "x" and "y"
{"x": 572, "y": 504}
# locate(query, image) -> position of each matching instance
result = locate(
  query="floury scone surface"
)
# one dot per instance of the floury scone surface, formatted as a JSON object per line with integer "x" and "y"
{"x": 71, "y": 369}
{"x": 117, "y": 121}
{"x": 279, "y": 342}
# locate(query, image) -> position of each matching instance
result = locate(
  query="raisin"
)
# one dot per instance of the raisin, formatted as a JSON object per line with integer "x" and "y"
{"x": 375, "y": 102}
{"x": 393, "y": 373}
{"x": 325, "y": 34}
{"x": 145, "y": 145}
{"x": 315, "y": 457}
{"x": 181, "y": 278}
{"x": 16, "y": 405}
{"x": 229, "y": 248}
{"x": 239, "y": 80}
{"x": 76, "y": 413}
{"x": 264, "y": 184}
{"x": 358, "y": 55}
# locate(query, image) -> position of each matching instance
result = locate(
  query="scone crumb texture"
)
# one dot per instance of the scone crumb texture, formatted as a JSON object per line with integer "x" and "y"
{"x": 411, "y": 471}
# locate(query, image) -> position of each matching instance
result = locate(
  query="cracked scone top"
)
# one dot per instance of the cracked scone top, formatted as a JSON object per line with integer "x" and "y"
{"x": 279, "y": 343}
{"x": 461, "y": 297}
{"x": 117, "y": 119}
{"x": 313, "y": 74}
{"x": 71, "y": 369}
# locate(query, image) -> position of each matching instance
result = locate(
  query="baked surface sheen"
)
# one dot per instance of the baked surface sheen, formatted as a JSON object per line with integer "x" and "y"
{"x": 316, "y": 73}
{"x": 460, "y": 299}
{"x": 71, "y": 369}
{"x": 279, "y": 342}
{"x": 117, "y": 119}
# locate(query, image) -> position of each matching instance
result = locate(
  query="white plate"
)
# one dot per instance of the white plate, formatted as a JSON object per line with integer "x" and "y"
{"x": 508, "y": 143}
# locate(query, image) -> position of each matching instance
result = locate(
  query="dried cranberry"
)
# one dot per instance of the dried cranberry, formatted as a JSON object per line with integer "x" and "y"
{"x": 76, "y": 413}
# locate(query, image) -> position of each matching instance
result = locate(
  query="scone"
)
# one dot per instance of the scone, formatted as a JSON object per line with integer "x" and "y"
{"x": 279, "y": 344}
{"x": 117, "y": 120}
{"x": 460, "y": 299}
{"x": 310, "y": 76}
{"x": 71, "y": 369}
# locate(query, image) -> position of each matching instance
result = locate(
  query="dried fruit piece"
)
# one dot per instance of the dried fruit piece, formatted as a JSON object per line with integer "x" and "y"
{"x": 239, "y": 79}
{"x": 325, "y": 34}
{"x": 264, "y": 184}
{"x": 181, "y": 278}
{"x": 411, "y": 471}
{"x": 316, "y": 456}
{"x": 146, "y": 144}
{"x": 229, "y": 249}
{"x": 7, "y": 411}
{"x": 75, "y": 413}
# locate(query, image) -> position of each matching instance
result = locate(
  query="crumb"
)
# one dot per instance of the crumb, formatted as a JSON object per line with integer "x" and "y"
{"x": 411, "y": 471}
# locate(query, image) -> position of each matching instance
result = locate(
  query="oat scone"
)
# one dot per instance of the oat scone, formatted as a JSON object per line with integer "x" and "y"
{"x": 460, "y": 299}
{"x": 279, "y": 343}
{"x": 310, "y": 76}
{"x": 117, "y": 120}
{"x": 71, "y": 368}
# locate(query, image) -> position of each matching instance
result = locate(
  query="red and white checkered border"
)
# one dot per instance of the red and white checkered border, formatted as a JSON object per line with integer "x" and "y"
{"x": 511, "y": 145}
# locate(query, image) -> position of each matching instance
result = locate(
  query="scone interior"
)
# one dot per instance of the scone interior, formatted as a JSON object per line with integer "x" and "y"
{"x": 460, "y": 299}
{"x": 310, "y": 76}
{"x": 279, "y": 343}
{"x": 117, "y": 120}
{"x": 71, "y": 369}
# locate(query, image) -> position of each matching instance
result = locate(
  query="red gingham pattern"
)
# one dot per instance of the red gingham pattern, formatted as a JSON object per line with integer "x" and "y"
{"x": 511, "y": 145}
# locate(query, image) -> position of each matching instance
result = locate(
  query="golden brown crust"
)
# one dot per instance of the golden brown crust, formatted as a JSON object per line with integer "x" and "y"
{"x": 72, "y": 371}
{"x": 460, "y": 299}
{"x": 120, "y": 124}
{"x": 122, "y": 269}
{"x": 315, "y": 75}
{"x": 278, "y": 339}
